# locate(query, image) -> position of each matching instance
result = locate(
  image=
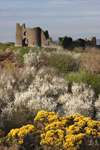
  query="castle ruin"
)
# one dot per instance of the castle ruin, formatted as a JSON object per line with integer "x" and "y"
{"x": 31, "y": 37}
{"x": 91, "y": 42}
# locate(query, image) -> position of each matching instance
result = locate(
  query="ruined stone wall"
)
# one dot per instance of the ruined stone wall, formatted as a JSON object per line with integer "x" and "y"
{"x": 45, "y": 38}
{"x": 18, "y": 41}
{"x": 34, "y": 37}
{"x": 91, "y": 42}
{"x": 31, "y": 37}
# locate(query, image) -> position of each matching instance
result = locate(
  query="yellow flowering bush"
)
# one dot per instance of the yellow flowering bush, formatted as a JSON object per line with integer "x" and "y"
{"x": 53, "y": 138}
{"x": 68, "y": 133}
{"x": 23, "y": 136}
{"x": 46, "y": 117}
{"x": 51, "y": 132}
{"x": 74, "y": 142}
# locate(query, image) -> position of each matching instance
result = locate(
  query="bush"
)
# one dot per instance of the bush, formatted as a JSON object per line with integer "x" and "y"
{"x": 80, "y": 42}
{"x": 28, "y": 91}
{"x": 65, "y": 41}
{"x": 51, "y": 132}
{"x": 19, "y": 52}
{"x": 86, "y": 77}
{"x": 64, "y": 63}
{"x": 23, "y": 136}
{"x": 20, "y": 116}
{"x": 72, "y": 132}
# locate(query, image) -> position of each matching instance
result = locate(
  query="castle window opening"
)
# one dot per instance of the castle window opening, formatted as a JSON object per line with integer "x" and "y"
{"x": 25, "y": 33}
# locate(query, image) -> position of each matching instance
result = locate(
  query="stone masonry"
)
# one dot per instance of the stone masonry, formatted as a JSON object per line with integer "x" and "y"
{"x": 31, "y": 36}
{"x": 91, "y": 42}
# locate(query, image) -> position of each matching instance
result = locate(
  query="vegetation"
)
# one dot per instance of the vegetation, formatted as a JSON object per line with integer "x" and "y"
{"x": 4, "y": 46}
{"x": 85, "y": 77}
{"x": 64, "y": 63}
{"x": 49, "y": 131}
{"x": 47, "y": 81}
{"x": 80, "y": 42}
{"x": 65, "y": 41}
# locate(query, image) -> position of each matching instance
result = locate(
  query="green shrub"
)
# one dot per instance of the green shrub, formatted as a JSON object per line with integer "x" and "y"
{"x": 21, "y": 51}
{"x": 64, "y": 63}
{"x": 65, "y": 41}
{"x": 86, "y": 77}
{"x": 80, "y": 42}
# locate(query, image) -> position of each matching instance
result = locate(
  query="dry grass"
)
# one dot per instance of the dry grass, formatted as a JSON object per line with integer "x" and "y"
{"x": 92, "y": 50}
{"x": 90, "y": 59}
{"x": 91, "y": 63}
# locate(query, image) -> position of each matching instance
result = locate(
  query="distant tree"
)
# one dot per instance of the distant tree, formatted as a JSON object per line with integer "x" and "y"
{"x": 65, "y": 41}
{"x": 80, "y": 42}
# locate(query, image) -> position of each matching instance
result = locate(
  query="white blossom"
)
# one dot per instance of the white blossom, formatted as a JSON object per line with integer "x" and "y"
{"x": 44, "y": 89}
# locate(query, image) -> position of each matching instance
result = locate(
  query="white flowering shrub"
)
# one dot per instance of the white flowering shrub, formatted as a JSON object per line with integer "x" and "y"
{"x": 48, "y": 91}
{"x": 36, "y": 59}
{"x": 80, "y": 101}
{"x": 39, "y": 87}
{"x": 41, "y": 58}
{"x": 43, "y": 91}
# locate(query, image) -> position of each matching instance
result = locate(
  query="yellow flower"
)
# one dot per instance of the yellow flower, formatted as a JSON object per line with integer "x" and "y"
{"x": 21, "y": 141}
{"x": 18, "y": 135}
{"x": 54, "y": 125}
{"x": 41, "y": 114}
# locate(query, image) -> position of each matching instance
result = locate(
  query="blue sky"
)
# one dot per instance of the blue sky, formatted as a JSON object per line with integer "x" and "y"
{"x": 75, "y": 18}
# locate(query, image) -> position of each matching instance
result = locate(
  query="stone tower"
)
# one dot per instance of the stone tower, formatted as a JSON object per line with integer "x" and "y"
{"x": 31, "y": 37}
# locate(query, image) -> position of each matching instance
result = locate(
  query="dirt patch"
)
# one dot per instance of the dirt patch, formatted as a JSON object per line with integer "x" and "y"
{"x": 8, "y": 60}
